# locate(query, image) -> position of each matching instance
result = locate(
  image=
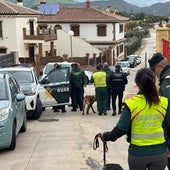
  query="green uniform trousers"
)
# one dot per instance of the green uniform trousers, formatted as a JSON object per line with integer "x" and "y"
{"x": 101, "y": 98}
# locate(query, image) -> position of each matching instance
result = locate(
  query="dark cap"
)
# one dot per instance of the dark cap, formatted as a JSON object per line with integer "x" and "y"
{"x": 156, "y": 58}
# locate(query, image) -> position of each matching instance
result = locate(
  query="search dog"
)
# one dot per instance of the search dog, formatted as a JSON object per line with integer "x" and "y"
{"x": 89, "y": 101}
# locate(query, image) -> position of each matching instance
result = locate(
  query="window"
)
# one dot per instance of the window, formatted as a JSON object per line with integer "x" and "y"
{"x": 31, "y": 27}
{"x": 101, "y": 30}
{"x": 120, "y": 28}
{"x": 43, "y": 26}
{"x": 121, "y": 48}
{"x": 58, "y": 27}
{"x": 76, "y": 29}
{"x": 1, "y": 29}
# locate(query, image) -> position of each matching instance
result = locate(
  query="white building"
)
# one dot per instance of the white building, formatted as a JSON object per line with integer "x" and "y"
{"x": 99, "y": 28}
{"x": 19, "y": 31}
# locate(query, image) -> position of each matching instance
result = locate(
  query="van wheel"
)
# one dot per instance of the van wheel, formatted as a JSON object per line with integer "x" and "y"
{"x": 38, "y": 110}
{"x": 13, "y": 141}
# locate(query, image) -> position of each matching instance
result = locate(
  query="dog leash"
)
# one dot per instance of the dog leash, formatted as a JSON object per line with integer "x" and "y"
{"x": 96, "y": 145}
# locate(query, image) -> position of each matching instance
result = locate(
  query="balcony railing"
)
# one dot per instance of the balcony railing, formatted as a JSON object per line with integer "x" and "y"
{"x": 40, "y": 34}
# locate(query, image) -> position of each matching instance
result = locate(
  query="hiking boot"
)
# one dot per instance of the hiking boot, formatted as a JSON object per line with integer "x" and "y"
{"x": 100, "y": 114}
{"x": 114, "y": 113}
{"x": 105, "y": 113}
{"x": 74, "y": 110}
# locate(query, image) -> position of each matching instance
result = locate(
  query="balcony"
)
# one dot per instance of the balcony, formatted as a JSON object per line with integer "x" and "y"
{"x": 40, "y": 34}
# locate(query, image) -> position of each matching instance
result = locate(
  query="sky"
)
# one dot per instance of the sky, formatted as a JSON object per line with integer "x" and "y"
{"x": 140, "y": 3}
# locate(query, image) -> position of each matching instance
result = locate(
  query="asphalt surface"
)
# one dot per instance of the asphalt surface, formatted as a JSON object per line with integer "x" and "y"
{"x": 64, "y": 141}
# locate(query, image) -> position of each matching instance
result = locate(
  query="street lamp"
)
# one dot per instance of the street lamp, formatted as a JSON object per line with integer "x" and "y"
{"x": 71, "y": 33}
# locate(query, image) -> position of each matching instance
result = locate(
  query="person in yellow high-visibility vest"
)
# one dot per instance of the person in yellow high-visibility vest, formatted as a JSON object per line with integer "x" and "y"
{"x": 143, "y": 119}
{"x": 99, "y": 80}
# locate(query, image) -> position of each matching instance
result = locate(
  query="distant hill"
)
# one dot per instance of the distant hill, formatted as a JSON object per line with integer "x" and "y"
{"x": 160, "y": 9}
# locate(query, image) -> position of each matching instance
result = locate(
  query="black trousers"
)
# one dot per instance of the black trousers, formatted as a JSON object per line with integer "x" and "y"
{"x": 77, "y": 97}
{"x": 109, "y": 93}
{"x": 117, "y": 93}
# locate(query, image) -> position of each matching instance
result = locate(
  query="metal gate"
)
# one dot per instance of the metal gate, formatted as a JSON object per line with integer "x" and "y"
{"x": 166, "y": 49}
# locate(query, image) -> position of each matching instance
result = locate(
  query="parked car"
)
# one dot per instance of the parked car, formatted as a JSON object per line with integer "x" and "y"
{"x": 132, "y": 59}
{"x": 12, "y": 111}
{"x": 125, "y": 67}
{"x": 138, "y": 59}
{"x": 55, "y": 91}
{"x": 28, "y": 80}
{"x": 112, "y": 68}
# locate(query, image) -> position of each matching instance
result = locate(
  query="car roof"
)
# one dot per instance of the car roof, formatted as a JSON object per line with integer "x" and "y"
{"x": 18, "y": 68}
{"x": 134, "y": 55}
{"x": 122, "y": 62}
{"x": 64, "y": 62}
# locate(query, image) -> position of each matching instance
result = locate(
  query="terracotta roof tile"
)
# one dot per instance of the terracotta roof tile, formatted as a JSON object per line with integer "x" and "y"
{"x": 14, "y": 9}
{"x": 81, "y": 14}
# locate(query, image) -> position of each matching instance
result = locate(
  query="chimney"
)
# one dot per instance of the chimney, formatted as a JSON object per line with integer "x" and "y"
{"x": 19, "y": 3}
{"x": 42, "y": 2}
{"x": 87, "y": 3}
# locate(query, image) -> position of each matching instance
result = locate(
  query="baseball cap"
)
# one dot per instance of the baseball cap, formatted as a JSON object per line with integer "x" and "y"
{"x": 156, "y": 58}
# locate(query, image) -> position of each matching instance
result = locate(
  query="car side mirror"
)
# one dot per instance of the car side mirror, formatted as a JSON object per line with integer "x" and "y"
{"x": 20, "y": 96}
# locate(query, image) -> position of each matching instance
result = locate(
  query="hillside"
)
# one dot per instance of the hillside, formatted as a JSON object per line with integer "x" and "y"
{"x": 160, "y": 9}
{"x": 35, "y": 3}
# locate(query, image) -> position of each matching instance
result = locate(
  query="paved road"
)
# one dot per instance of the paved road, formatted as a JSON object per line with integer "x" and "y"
{"x": 63, "y": 141}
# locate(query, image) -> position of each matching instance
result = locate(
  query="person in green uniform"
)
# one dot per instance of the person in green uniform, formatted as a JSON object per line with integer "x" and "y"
{"x": 99, "y": 80}
{"x": 109, "y": 91}
{"x": 142, "y": 119}
{"x": 161, "y": 68}
{"x": 77, "y": 81}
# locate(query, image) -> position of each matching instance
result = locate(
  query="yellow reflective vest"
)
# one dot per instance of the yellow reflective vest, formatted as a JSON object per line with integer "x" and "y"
{"x": 99, "y": 78}
{"x": 146, "y": 122}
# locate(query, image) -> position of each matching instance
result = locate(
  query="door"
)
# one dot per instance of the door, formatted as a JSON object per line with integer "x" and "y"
{"x": 54, "y": 88}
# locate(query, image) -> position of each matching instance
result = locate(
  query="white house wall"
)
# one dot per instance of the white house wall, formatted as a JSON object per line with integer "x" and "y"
{"x": 9, "y": 33}
{"x": 12, "y": 27}
{"x": 119, "y": 35}
{"x": 88, "y": 32}
{"x": 23, "y": 23}
{"x": 79, "y": 46}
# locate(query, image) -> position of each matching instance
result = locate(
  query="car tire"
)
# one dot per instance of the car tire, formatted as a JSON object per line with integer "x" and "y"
{"x": 24, "y": 125}
{"x": 13, "y": 140}
{"x": 38, "y": 110}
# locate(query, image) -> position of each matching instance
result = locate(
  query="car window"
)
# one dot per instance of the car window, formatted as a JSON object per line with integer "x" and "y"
{"x": 48, "y": 68}
{"x": 36, "y": 76}
{"x": 3, "y": 90}
{"x": 21, "y": 76}
{"x": 58, "y": 75}
{"x": 14, "y": 88}
{"x": 122, "y": 64}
